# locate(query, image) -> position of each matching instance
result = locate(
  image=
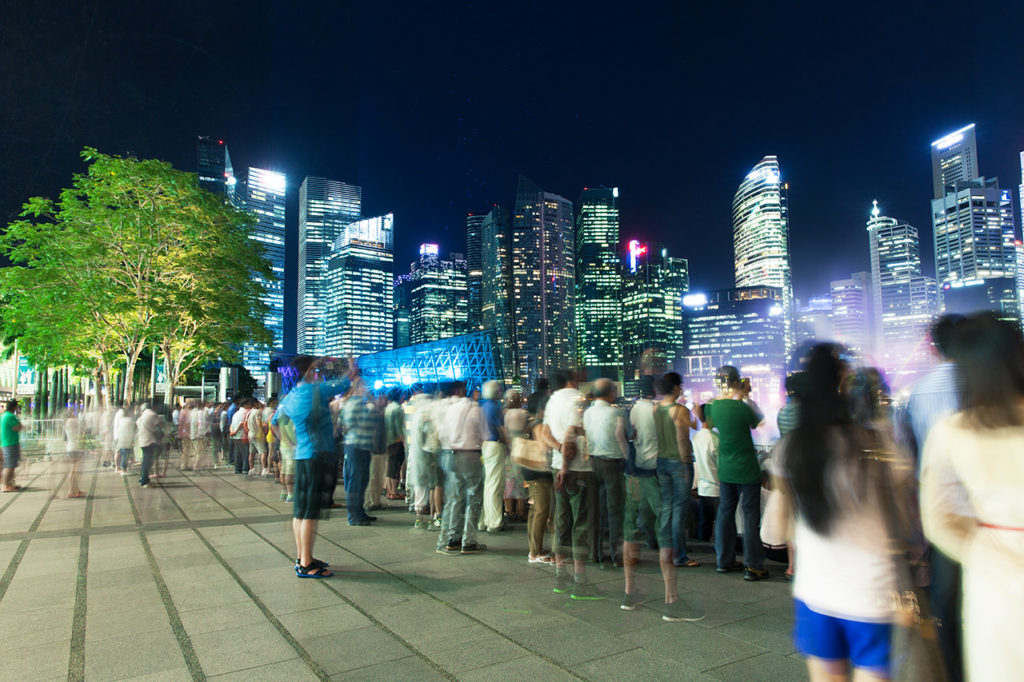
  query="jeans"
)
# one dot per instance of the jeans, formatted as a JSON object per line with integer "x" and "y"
{"x": 725, "y": 525}
{"x": 611, "y": 481}
{"x": 676, "y": 479}
{"x": 123, "y": 455}
{"x": 572, "y": 514}
{"x": 148, "y": 453}
{"x": 357, "y": 476}
{"x": 463, "y": 498}
{"x": 241, "y": 449}
{"x": 946, "y": 599}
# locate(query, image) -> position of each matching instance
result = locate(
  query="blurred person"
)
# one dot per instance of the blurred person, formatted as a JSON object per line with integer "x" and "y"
{"x": 359, "y": 416}
{"x": 972, "y": 474}
{"x": 151, "y": 429}
{"x": 605, "y": 426}
{"x": 538, "y": 400}
{"x": 273, "y": 452}
{"x": 675, "y": 466}
{"x": 284, "y": 430}
{"x": 239, "y": 435}
{"x": 257, "y": 430}
{"x": 213, "y": 414}
{"x": 124, "y": 437}
{"x": 832, "y": 474}
{"x": 199, "y": 436}
{"x": 394, "y": 442}
{"x": 415, "y": 463}
{"x": 705, "y": 455}
{"x": 739, "y": 474}
{"x": 461, "y": 433}
{"x": 434, "y": 476}
{"x": 378, "y": 456}
{"x": 574, "y": 488}
{"x": 494, "y": 454}
{"x": 515, "y": 422}
{"x": 182, "y": 418}
{"x": 789, "y": 416}
{"x": 10, "y": 442}
{"x": 73, "y": 447}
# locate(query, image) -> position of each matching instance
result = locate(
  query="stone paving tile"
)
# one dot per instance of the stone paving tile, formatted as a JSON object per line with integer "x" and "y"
{"x": 294, "y": 670}
{"x": 44, "y": 661}
{"x": 329, "y": 620}
{"x": 650, "y": 665}
{"x": 516, "y": 670}
{"x": 354, "y": 649}
{"x": 467, "y": 647}
{"x": 47, "y": 625}
{"x": 772, "y": 631}
{"x": 211, "y": 619}
{"x": 233, "y": 649}
{"x": 573, "y": 643}
{"x": 765, "y": 668}
{"x": 694, "y": 646}
{"x": 133, "y": 655}
{"x": 408, "y": 668}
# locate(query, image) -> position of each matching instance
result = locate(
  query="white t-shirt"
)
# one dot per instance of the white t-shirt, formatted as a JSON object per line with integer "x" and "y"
{"x": 564, "y": 410}
{"x": 601, "y": 422}
{"x": 124, "y": 431}
{"x": 645, "y": 431}
{"x": 705, "y": 459}
{"x": 73, "y": 434}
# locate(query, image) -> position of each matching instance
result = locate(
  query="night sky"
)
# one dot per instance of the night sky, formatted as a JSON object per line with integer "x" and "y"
{"x": 435, "y": 108}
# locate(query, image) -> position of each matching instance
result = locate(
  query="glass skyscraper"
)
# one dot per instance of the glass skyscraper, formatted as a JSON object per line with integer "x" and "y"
{"x": 851, "y": 312}
{"x": 904, "y": 300}
{"x": 439, "y": 300}
{"x": 326, "y": 208}
{"x": 598, "y": 284}
{"x": 954, "y": 159}
{"x": 263, "y": 194}
{"x": 760, "y": 229}
{"x": 496, "y": 288}
{"x": 360, "y": 288}
{"x": 543, "y": 283}
{"x": 403, "y": 308}
{"x": 474, "y": 272}
{"x": 213, "y": 166}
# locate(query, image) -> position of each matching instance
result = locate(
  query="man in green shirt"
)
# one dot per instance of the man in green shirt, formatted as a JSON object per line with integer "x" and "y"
{"x": 739, "y": 473}
{"x": 10, "y": 441}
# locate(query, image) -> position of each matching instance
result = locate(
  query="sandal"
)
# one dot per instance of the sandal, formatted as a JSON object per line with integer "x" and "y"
{"x": 74, "y": 495}
{"x": 313, "y": 572}
{"x": 689, "y": 563}
{"x": 315, "y": 563}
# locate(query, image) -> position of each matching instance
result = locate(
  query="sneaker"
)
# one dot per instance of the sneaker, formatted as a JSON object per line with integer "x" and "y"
{"x": 284, "y": 494}
{"x": 586, "y": 591}
{"x": 290, "y": 498}
{"x": 436, "y": 523}
{"x": 473, "y": 548}
{"x": 545, "y": 559}
{"x": 754, "y": 574}
{"x": 563, "y": 583}
{"x": 734, "y": 566}
{"x": 631, "y": 601}
{"x": 680, "y": 611}
{"x": 449, "y": 550}
{"x": 419, "y": 525}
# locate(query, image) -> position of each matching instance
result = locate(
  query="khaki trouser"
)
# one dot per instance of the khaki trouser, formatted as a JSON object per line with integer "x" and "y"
{"x": 494, "y": 454}
{"x": 539, "y": 515}
{"x": 374, "y": 489}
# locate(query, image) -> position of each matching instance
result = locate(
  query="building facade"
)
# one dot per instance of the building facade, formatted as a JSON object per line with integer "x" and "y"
{"x": 496, "y": 287}
{"x": 851, "y": 312}
{"x": 954, "y": 159}
{"x": 213, "y": 166}
{"x": 326, "y": 207}
{"x": 439, "y": 298}
{"x": 403, "y": 310}
{"x": 543, "y": 263}
{"x": 360, "y": 288}
{"x": 474, "y": 269}
{"x": 814, "y": 320}
{"x": 598, "y": 284}
{"x": 263, "y": 194}
{"x": 743, "y": 327}
{"x": 760, "y": 228}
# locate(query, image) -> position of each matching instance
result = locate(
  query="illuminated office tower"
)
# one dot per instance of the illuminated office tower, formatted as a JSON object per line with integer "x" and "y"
{"x": 439, "y": 300}
{"x": 975, "y": 252}
{"x": 954, "y": 159}
{"x": 543, "y": 283}
{"x": 474, "y": 269}
{"x": 851, "y": 312}
{"x": 760, "y": 230}
{"x": 1020, "y": 276}
{"x": 403, "y": 310}
{"x": 813, "y": 322}
{"x": 213, "y": 166}
{"x": 360, "y": 288}
{"x": 653, "y": 288}
{"x": 496, "y": 290}
{"x": 743, "y": 327}
{"x": 598, "y": 284}
{"x": 263, "y": 193}
{"x": 326, "y": 207}
{"x": 904, "y": 301}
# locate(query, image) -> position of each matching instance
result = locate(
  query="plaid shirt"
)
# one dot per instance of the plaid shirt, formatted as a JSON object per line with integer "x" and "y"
{"x": 361, "y": 420}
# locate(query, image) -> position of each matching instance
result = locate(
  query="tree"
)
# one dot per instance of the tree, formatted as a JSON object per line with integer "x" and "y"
{"x": 133, "y": 254}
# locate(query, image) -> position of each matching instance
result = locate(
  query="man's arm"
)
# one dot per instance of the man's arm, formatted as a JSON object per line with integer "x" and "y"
{"x": 620, "y": 435}
{"x": 682, "y": 422}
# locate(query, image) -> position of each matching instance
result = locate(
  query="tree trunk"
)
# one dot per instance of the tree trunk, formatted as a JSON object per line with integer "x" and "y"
{"x": 37, "y": 398}
{"x": 170, "y": 377}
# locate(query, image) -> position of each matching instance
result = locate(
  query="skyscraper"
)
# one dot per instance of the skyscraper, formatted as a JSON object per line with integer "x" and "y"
{"x": 439, "y": 300}
{"x": 543, "y": 283}
{"x": 360, "y": 287}
{"x": 403, "y": 310}
{"x": 904, "y": 300}
{"x": 813, "y": 322}
{"x": 213, "y": 166}
{"x": 598, "y": 284}
{"x": 263, "y": 193}
{"x": 760, "y": 229}
{"x": 496, "y": 297}
{"x": 954, "y": 159}
{"x": 653, "y": 285}
{"x": 474, "y": 268}
{"x": 851, "y": 312}
{"x": 326, "y": 207}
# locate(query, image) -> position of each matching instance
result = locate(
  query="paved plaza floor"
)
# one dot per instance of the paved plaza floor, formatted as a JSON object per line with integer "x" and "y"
{"x": 193, "y": 579}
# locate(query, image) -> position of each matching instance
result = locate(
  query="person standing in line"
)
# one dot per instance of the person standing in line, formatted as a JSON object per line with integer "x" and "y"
{"x": 461, "y": 432}
{"x": 705, "y": 455}
{"x": 415, "y": 483}
{"x": 394, "y": 441}
{"x": 199, "y": 435}
{"x": 10, "y": 441}
{"x": 124, "y": 437}
{"x": 257, "y": 431}
{"x": 739, "y": 475}
{"x": 227, "y": 423}
{"x": 360, "y": 421}
{"x": 379, "y": 457}
{"x": 495, "y": 451}
{"x": 273, "y": 452}
{"x": 675, "y": 466}
{"x": 574, "y": 486}
{"x": 605, "y": 426}
{"x": 150, "y": 427}
{"x": 284, "y": 430}
{"x": 538, "y": 400}
{"x": 515, "y": 422}
{"x": 239, "y": 438}
{"x": 434, "y": 477}
{"x": 182, "y": 425}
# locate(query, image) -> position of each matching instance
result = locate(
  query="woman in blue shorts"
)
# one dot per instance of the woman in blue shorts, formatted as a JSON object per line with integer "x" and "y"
{"x": 844, "y": 573}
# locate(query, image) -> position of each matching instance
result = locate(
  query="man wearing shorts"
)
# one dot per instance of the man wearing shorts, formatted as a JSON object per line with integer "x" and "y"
{"x": 10, "y": 441}
{"x": 283, "y": 429}
{"x": 308, "y": 407}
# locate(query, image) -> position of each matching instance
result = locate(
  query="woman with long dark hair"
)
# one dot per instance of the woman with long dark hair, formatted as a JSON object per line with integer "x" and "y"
{"x": 972, "y": 480}
{"x": 830, "y": 482}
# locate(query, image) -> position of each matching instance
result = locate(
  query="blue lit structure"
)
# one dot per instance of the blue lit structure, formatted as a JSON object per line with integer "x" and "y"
{"x": 472, "y": 358}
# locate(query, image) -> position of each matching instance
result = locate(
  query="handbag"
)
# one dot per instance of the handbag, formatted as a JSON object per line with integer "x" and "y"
{"x": 914, "y": 645}
{"x": 530, "y": 454}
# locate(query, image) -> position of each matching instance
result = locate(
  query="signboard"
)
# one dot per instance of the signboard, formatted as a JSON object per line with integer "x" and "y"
{"x": 26, "y": 377}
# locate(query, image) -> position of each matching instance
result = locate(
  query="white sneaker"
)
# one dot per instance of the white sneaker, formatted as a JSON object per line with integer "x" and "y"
{"x": 265, "y": 473}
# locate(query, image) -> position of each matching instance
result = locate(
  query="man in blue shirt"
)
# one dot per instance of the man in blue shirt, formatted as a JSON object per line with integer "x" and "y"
{"x": 308, "y": 406}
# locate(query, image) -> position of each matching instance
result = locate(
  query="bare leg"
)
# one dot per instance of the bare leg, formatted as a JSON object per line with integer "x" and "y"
{"x": 630, "y": 558}
{"x": 822, "y": 670}
{"x": 437, "y": 500}
{"x": 669, "y": 573}
{"x": 306, "y": 537}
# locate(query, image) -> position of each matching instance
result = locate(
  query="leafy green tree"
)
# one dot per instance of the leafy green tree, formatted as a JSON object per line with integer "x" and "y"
{"x": 133, "y": 254}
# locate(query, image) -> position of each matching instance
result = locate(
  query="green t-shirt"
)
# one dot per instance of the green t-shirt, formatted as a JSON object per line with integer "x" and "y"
{"x": 8, "y": 436}
{"x": 737, "y": 459}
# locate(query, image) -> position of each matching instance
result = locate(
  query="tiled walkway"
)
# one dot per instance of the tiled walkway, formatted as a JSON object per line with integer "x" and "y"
{"x": 194, "y": 580}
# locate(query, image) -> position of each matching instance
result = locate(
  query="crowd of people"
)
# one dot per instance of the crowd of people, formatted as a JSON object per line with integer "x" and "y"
{"x": 863, "y": 498}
